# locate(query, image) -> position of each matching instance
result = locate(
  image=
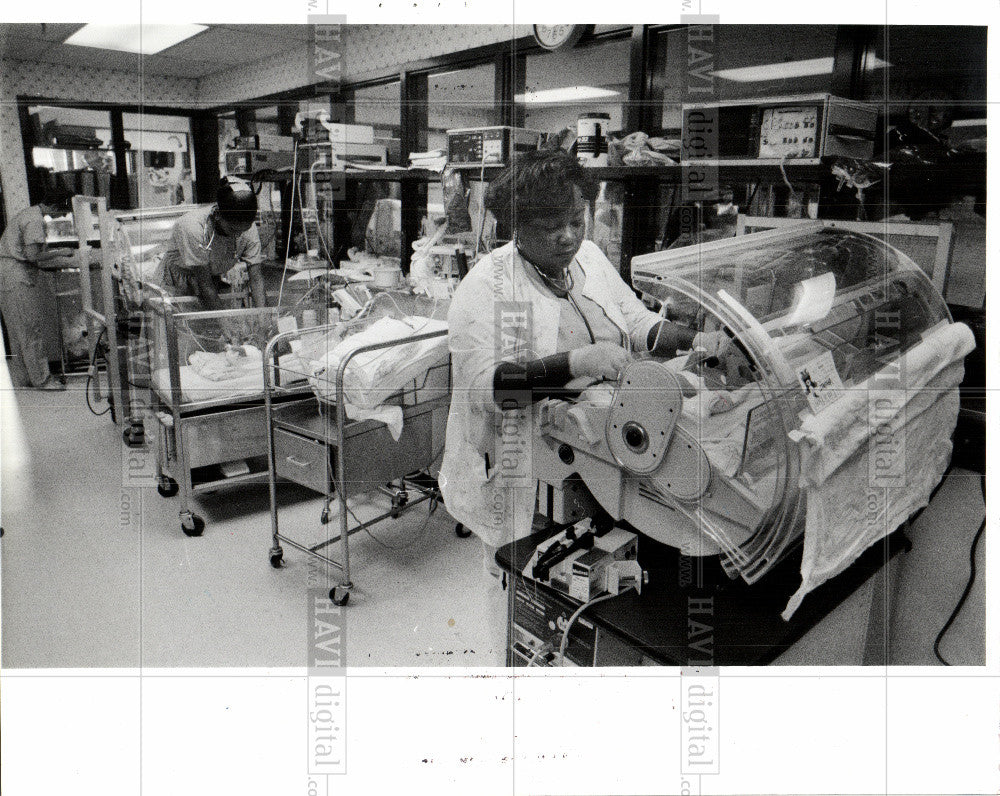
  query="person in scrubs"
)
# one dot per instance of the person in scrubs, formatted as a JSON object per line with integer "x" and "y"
{"x": 23, "y": 254}
{"x": 209, "y": 243}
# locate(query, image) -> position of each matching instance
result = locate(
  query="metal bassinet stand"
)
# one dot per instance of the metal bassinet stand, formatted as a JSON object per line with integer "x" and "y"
{"x": 339, "y": 458}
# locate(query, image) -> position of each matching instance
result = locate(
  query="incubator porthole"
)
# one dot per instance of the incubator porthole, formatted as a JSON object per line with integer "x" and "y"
{"x": 635, "y": 437}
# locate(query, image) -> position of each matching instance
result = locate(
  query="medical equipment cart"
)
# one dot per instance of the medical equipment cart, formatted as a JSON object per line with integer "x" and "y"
{"x": 313, "y": 443}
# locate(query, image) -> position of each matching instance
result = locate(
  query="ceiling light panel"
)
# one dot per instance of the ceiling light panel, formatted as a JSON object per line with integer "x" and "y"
{"x": 142, "y": 39}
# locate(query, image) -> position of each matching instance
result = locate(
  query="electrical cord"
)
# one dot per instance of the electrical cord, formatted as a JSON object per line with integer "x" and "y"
{"x": 482, "y": 214}
{"x": 419, "y": 537}
{"x": 784, "y": 176}
{"x": 291, "y": 225}
{"x": 420, "y": 534}
{"x": 576, "y": 614}
{"x": 91, "y": 372}
{"x": 968, "y": 585}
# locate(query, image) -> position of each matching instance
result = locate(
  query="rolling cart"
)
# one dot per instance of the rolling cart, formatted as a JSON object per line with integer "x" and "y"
{"x": 312, "y": 443}
{"x": 210, "y": 434}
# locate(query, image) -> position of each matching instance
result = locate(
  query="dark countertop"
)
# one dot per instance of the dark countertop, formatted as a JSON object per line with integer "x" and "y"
{"x": 745, "y": 624}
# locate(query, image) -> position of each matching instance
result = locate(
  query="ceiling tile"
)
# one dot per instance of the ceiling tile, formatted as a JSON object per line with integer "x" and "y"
{"x": 296, "y": 32}
{"x": 229, "y": 45}
{"x": 181, "y": 67}
{"x": 46, "y": 31}
{"x": 23, "y": 48}
{"x": 92, "y": 57}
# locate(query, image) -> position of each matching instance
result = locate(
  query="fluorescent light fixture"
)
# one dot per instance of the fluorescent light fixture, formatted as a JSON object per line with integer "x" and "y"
{"x": 567, "y": 94}
{"x": 143, "y": 39}
{"x": 789, "y": 69}
{"x": 969, "y": 123}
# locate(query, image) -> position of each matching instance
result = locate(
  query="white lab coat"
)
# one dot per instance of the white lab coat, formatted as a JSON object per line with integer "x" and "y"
{"x": 499, "y": 314}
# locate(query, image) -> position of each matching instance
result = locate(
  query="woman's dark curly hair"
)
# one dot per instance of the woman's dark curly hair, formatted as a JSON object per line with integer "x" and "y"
{"x": 536, "y": 184}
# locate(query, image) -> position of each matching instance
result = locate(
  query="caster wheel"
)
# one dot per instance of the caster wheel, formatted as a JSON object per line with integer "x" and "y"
{"x": 167, "y": 487}
{"x": 461, "y": 531}
{"x": 324, "y": 517}
{"x": 134, "y": 437}
{"x": 276, "y": 559}
{"x": 196, "y": 526}
{"x": 339, "y": 595}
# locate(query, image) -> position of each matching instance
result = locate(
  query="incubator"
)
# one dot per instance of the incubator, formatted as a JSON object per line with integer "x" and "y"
{"x": 716, "y": 451}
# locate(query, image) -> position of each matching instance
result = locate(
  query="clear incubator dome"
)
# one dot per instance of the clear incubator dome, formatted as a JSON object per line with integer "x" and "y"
{"x": 804, "y": 314}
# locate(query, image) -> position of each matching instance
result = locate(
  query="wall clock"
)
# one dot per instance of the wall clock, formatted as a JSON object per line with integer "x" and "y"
{"x": 554, "y": 37}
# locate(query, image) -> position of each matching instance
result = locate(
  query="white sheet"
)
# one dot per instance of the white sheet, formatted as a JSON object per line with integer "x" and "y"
{"x": 196, "y": 388}
{"x": 873, "y": 458}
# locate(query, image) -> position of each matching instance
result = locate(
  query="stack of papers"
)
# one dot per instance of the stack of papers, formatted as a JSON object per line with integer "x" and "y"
{"x": 435, "y": 160}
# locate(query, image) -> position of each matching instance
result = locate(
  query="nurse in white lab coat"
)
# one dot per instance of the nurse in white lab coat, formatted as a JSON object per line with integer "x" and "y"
{"x": 529, "y": 318}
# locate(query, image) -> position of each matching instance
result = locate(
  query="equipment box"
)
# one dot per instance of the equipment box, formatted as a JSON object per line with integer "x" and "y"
{"x": 801, "y": 128}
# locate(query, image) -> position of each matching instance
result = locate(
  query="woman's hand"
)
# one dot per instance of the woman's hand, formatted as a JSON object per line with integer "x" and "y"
{"x": 598, "y": 361}
{"x": 713, "y": 344}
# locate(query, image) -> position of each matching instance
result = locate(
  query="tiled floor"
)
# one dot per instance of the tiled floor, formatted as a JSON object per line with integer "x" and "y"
{"x": 97, "y": 575}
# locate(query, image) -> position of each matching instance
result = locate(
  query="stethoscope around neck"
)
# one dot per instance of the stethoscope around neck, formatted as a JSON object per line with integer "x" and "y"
{"x": 207, "y": 246}
{"x": 560, "y": 291}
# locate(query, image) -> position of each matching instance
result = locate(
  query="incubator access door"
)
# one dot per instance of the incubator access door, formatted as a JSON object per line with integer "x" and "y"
{"x": 804, "y": 315}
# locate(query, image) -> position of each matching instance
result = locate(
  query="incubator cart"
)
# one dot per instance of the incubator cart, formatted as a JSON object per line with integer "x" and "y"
{"x": 207, "y": 395}
{"x": 700, "y": 452}
{"x": 313, "y": 443}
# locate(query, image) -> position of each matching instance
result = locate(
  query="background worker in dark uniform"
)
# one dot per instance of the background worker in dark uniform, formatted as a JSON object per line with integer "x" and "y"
{"x": 208, "y": 243}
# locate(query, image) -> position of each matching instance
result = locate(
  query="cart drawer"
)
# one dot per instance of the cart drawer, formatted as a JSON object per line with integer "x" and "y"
{"x": 301, "y": 460}
{"x": 373, "y": 458}
{"x": 225, "y": 436}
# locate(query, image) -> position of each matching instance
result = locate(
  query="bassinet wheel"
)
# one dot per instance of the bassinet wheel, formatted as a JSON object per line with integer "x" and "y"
{"x": 193, "y": 527}
{"x": 339, "y": 595}
{"x": 461, "y": 531}
{"x": 277, "y": 558}
{"x": 399, "y": 501}
{"x": 167, "y": 487}
{"x": 134, "y": 436}
{"x": 324, "y": 516}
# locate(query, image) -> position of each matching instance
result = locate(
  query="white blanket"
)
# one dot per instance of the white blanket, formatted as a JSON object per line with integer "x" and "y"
{"x": 233, "y": 363}
{"x": 372, "y": 377}
{"x": 872, "y": 458}
{"x": 195, "y": 388}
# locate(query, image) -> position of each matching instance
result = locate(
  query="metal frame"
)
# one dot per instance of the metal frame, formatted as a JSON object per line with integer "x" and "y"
{"x": 116, "y": 312}
{"x": 179, "y": 449}
{"x": 333, "y": 438}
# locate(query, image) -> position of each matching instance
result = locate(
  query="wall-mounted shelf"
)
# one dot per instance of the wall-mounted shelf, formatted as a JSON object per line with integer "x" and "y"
{"x": 748, "y": 170}
{"x": 73, "y": 148}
